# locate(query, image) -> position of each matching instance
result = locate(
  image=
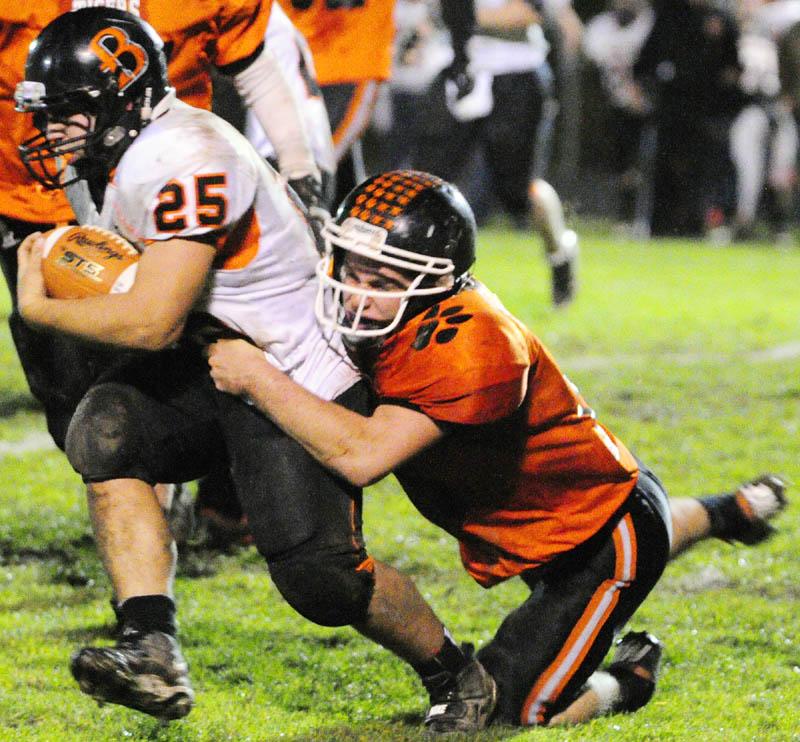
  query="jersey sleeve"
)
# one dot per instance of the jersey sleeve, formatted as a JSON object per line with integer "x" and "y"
{"x": 242, "y": 27}
{"x": 457, "y": 367}
{"x": 182, "y": 186}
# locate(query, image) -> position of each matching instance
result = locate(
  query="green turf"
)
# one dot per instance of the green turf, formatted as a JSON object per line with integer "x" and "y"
{"x": 688, "y": 352}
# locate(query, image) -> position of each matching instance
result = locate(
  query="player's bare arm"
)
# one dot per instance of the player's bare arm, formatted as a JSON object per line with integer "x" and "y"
{"x": 150, "y": 316}
{"x": 360, "y": 449}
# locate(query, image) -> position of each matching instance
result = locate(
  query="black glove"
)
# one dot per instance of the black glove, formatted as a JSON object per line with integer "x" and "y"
{"x": 459, "y": 19}
{"x": 458, "y": 72}
{"x": 309, "y": 191}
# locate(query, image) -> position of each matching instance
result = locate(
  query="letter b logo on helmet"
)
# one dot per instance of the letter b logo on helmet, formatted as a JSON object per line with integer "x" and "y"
{"x": 125, "y": 59}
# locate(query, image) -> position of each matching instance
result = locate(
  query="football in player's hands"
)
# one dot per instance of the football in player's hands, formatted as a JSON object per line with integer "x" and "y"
{"x": 81, "y": 261}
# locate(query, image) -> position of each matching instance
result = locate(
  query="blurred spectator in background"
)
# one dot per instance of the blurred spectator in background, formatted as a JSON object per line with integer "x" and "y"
{"x": 690, "y": 64}
{"x": 764, "y": 139}
{"x": 496, "y": 97}
{"x": 351, "y": 43}
{"x": 612, "y": 41}
{"x": 422, "y": 49}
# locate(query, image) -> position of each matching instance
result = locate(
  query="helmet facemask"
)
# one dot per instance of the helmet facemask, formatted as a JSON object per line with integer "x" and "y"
{"x": 428, "y": 278}
{"x": 108, "y": 133}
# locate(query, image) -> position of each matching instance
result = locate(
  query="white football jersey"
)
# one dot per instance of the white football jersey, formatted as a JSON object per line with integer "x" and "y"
{"x": 189, "y": 173}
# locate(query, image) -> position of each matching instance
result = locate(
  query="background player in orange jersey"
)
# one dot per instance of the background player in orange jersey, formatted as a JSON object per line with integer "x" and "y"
{"x": 220, "y": 33}
{"x": 492, "y": 443}
{"x": 351, "y": 42}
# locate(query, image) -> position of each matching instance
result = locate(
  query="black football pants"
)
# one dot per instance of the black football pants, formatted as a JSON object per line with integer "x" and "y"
{"x": 545, "y": 650}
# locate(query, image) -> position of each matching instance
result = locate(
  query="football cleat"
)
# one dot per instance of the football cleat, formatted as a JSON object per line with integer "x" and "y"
{"x": 563, "y": 268}
{"x": 635, "y": 666}
{"x": 640, "y": 653}
{"x": 757, "y": 502}
{"x": 145, "y": 672}
{"x": 462, "y": 702}
{"x": 744, "y": 515}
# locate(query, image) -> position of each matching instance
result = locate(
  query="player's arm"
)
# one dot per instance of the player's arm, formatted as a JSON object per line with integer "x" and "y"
{"x": 360, "y": 449}
{"x": 458, "y": 17}
{"x": 265, "y": 89}
{"x": 169, "y": 279}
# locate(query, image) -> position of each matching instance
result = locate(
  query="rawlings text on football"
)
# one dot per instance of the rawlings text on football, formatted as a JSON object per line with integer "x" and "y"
{"x": 80, "y": 261}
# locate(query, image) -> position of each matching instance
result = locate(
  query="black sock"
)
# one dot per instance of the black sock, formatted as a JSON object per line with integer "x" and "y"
{"x": 146, "y": 613}
{"x": 449, "y": 659}
{"x": 724, "y": 514}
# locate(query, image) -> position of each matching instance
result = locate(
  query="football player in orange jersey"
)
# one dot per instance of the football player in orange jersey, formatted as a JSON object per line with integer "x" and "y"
{"x": 351, "y": 43}
{"x": 220, "y": 33}
{"x": 494, "y": 444}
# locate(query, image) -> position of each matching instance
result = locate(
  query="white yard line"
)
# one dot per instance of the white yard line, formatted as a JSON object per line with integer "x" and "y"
{"x": 34, "y": 442}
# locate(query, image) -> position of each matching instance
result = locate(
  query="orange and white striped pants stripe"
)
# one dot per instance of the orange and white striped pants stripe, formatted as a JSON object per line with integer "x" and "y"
{"x": 599, "y": 610}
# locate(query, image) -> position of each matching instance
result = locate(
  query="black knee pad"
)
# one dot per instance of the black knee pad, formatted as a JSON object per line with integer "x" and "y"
{"x": 104, "y": 440}
{"x": 328, "y": 589}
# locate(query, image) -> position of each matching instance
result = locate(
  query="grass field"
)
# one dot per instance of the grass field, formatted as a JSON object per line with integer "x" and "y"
{"x": 690, "y": 353}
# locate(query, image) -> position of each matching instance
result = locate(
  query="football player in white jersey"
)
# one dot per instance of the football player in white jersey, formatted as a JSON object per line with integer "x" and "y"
{"x": 225, "y": 251}
{"x": 498, "y": 93}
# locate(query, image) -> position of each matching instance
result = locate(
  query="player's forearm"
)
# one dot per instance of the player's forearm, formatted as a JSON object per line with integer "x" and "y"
{"x": 333, "y": 435}
{"x": 265, "y": 89}
{"x": 336, "y": 437}
{"x": 107, "y": 320}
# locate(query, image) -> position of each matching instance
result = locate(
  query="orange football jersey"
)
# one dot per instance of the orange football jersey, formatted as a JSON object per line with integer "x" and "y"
{"x": 201, "y": 34}
{"x": 526, "y": 471}
{"x": 349, "y": 44}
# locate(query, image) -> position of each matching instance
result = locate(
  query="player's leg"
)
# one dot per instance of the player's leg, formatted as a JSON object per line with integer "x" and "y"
{"x": 545, "y": 651}
{"x": 511, "y": 134}
{"x": 627, "y": 684}
{"x": 561, "y": 243}
{"x": 307, "y": 524}
{"x": 743, "y": 515}
{"x": 748, "y": 147}
{"x": 153, "y": 422}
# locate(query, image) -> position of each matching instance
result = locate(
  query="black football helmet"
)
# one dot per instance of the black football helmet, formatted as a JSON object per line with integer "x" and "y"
{"x": 101, "y": 62}
{"x": 411, "y": 221}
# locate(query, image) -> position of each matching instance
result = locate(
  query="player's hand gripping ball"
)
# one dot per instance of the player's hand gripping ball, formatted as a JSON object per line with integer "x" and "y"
{"x": 87, "y": 261}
